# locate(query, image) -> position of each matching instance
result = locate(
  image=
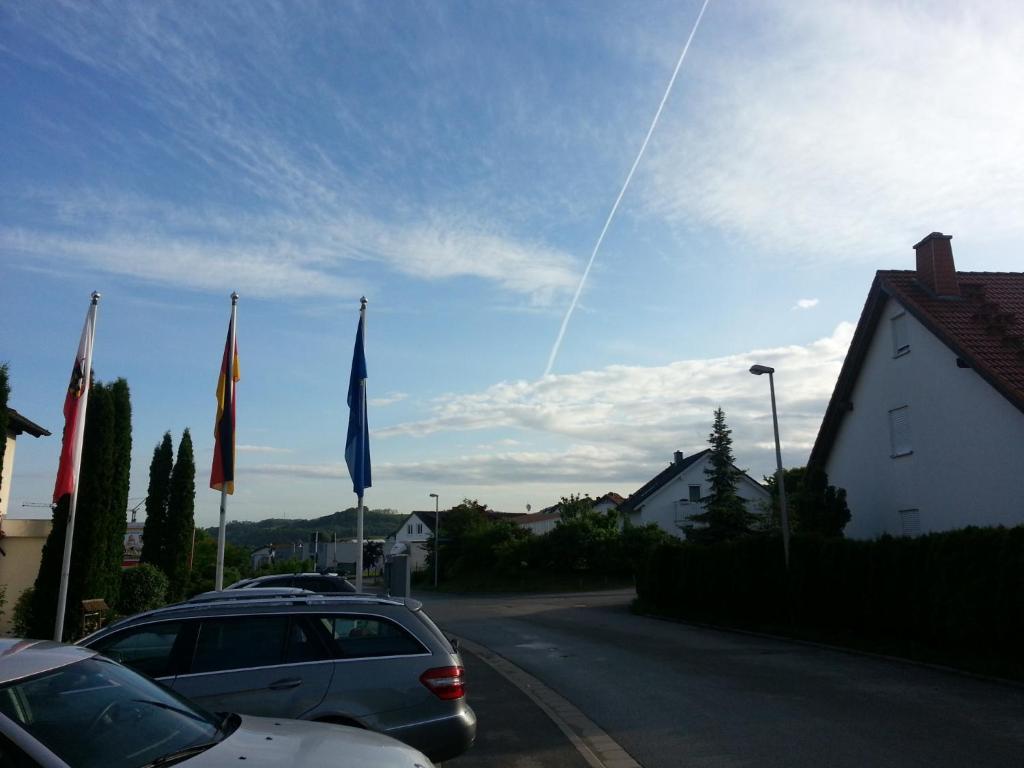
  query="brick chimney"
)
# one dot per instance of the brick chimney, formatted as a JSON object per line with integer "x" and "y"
{"x": 935, "y": 268}
{"x": 677, "y": 457}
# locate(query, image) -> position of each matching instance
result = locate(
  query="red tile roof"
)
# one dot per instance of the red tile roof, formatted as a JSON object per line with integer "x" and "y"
{"x": 984, "y": 327}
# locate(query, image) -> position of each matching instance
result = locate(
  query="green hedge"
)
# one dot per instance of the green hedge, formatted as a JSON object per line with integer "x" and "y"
{"x": 952, "y": 598}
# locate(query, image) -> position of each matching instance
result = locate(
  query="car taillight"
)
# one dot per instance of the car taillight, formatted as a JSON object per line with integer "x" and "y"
{"x": 444, "y": 682}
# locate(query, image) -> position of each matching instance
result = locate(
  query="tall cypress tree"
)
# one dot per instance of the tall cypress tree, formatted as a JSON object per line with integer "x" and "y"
{"x": 725, "y": 514}
{"x": 5, "y": 392}
{"x": 95, "y": 571}
{"x": 180, "y": 519}
{"x": 154, "y": 532}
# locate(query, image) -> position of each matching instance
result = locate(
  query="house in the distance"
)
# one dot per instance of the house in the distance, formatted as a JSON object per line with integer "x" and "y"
{"x": 677, "y": 492}
{"x": 925, "y": 428}
{"x": 416, "y": 530}
{"x": 544, "y": 521}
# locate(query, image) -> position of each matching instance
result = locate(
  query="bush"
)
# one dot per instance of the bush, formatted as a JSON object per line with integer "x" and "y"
{"x": 143, "y": 588}
{"x": 22, "y": 617}
{"x": 952, "y": 598}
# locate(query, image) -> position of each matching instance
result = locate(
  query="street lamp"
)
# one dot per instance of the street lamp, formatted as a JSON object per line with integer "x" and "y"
{"x": 780, "y": 477}
{"x": 437, "y": 535}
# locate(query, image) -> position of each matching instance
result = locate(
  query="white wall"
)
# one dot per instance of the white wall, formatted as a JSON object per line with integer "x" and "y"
{"x": 6, "y": 472}
{"x": 967, "y": 465}
{"x": 669, "y": 505}
{"x": 415, "y": 541}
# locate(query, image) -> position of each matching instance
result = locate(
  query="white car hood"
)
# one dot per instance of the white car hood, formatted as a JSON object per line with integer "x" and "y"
{"x": 270, "y": 741}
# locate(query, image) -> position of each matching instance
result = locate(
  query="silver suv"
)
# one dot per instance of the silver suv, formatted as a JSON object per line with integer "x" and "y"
{"x": 378, "y": 663}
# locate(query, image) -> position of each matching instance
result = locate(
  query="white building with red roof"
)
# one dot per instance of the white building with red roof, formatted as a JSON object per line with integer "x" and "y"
{"x": 925, "y": 428}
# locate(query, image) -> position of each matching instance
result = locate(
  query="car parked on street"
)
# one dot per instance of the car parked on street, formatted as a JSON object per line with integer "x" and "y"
{"x": 378, "y": 663}
{"x": 62, "y": 706}
{"x": 314, "y": 582}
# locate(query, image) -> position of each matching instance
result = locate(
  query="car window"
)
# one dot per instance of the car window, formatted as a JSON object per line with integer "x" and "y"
{"x": 276, "y": 581}
{"x": 315, "y": 583}
{"x": 238, "y": 642}
{"x": 146, "y": 649}
{"x": 305, "y": 643}
{"x": 367, "y": 636}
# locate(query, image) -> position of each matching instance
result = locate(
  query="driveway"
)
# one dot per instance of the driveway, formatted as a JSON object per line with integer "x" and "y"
{"x": 676, "y": 695}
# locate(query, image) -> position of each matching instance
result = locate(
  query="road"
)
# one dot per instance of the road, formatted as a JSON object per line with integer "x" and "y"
{"x": 677, "y": 695}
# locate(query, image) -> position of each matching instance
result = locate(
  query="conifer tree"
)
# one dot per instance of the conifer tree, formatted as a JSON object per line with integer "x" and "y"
{"x": 99, "y": 518}
{"x": 180, "y": 519}
{"x": 725, "y": 514}
{"x": 5, "y": 392}
{"x": 154, "y": 534}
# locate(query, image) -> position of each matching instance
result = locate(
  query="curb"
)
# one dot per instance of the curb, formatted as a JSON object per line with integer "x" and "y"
{"x": 595, "y": 746}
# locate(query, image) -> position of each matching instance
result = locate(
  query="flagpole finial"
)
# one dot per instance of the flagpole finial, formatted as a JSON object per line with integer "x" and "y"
{"x": 96, "y": 297}
{"x": 234, "y": 298}
{"x": 362, "y": 302}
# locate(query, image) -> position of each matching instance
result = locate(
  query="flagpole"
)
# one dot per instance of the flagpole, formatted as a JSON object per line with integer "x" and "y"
{"x": 359, "y": 515}
{"x": 69, "y": 535}
{"x": 229, "y": 381}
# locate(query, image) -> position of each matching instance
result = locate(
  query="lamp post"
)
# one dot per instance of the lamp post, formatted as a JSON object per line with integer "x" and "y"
{"x": 437, "y": 535}
{"x": 780, "y": 478}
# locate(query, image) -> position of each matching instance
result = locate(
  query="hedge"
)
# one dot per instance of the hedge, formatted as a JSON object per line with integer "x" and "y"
{"x": 954, "y": 598}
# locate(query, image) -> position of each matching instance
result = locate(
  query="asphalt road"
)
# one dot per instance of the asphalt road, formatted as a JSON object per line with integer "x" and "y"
{"x": 676, "y": 695}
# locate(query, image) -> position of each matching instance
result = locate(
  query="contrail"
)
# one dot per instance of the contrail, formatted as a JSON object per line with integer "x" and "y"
{"x": 615, "y": 207}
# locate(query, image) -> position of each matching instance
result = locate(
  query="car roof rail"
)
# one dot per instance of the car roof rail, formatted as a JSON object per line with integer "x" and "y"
{"x": 250, "y": 593}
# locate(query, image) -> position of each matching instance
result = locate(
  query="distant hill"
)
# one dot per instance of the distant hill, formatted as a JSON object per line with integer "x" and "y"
{"x": 280, "y": 531}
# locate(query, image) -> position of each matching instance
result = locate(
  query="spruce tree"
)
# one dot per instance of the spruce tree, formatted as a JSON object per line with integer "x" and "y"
{"x": 154, "y": 532}
{"x": 99, "y": 518}
{"x": 180, "y": 519}
{"x": 725, "y": 514}
{"x": 5, "y": 392}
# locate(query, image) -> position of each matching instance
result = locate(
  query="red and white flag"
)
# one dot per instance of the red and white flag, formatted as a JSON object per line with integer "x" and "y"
{"x": 75, "y": 403}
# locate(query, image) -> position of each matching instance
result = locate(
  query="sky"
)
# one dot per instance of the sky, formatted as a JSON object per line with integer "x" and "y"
{"x": 455, "y": 162}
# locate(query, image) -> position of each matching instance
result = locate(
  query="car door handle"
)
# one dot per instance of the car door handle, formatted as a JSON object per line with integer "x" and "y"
{"x": 283, "y": 685}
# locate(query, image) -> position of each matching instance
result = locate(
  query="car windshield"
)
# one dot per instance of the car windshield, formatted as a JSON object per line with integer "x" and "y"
{"x": 97, "y": 713}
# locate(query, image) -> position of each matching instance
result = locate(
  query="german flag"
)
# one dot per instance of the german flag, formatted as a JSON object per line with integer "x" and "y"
{"x": 222, "y": 476}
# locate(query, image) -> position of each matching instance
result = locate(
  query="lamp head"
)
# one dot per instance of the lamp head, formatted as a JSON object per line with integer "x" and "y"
{"x": 433, "y": 495}
{"x": 757, "y": 370}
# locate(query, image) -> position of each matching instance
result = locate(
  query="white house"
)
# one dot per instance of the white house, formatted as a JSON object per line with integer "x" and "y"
{"x": 925, "y": 428}
{"x": 544, "y": 521}
{"x": 675, "y": 493}
{"x": 411, "y": 538}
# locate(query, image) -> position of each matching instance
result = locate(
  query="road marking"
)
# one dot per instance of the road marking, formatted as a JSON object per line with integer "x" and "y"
{"x": 595, "y": 746}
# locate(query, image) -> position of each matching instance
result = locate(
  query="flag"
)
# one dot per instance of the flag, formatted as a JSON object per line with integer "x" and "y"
{"x": 222, "y": 476}
{"x": 75, "y": 402}
{"x": 357, "y": 444}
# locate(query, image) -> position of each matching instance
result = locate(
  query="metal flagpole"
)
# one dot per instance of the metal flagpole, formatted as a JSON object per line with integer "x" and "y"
{"x": 69, "y": 536}
{"x": 229, "y": 381}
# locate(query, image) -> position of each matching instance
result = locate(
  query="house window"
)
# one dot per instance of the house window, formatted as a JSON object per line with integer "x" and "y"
{"x": 419, "y": 527}
{"x": 695, "y": 494}
{"x": 899, "y": 431}
{"x": 409, "y": 529}
{"x": 910, "y": 522}
{"x": 900, "y": 339}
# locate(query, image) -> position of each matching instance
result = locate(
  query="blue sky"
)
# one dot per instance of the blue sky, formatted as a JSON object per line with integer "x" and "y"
{"x": 455, "y": 162}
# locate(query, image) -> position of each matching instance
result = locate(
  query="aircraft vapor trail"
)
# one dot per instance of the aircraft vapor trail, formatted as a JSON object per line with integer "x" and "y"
{"x": 625, "y": 185}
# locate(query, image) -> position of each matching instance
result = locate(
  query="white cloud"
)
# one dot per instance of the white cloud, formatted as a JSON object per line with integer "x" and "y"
{"x": 852, "y": 129}
{"x": 805, "y": 304}
{"x": 261, "y": 449}
{"x": 389, "y": 399}
{"x": 622, "y": 422}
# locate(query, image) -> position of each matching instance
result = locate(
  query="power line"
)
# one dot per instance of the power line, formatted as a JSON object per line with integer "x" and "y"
{"x": 625, "y": 185}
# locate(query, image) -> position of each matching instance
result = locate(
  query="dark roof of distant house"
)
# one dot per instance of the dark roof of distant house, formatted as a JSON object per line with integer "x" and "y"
{"x": 611, "y": 496}
{"x": 658, "y": 481}
{"x": 17, "y": 424}
{"x": 984, "y": 327}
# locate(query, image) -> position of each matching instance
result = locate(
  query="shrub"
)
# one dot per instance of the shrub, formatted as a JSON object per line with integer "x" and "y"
{"x": 22, "y": 617}
{"x": 142, "y": 589}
